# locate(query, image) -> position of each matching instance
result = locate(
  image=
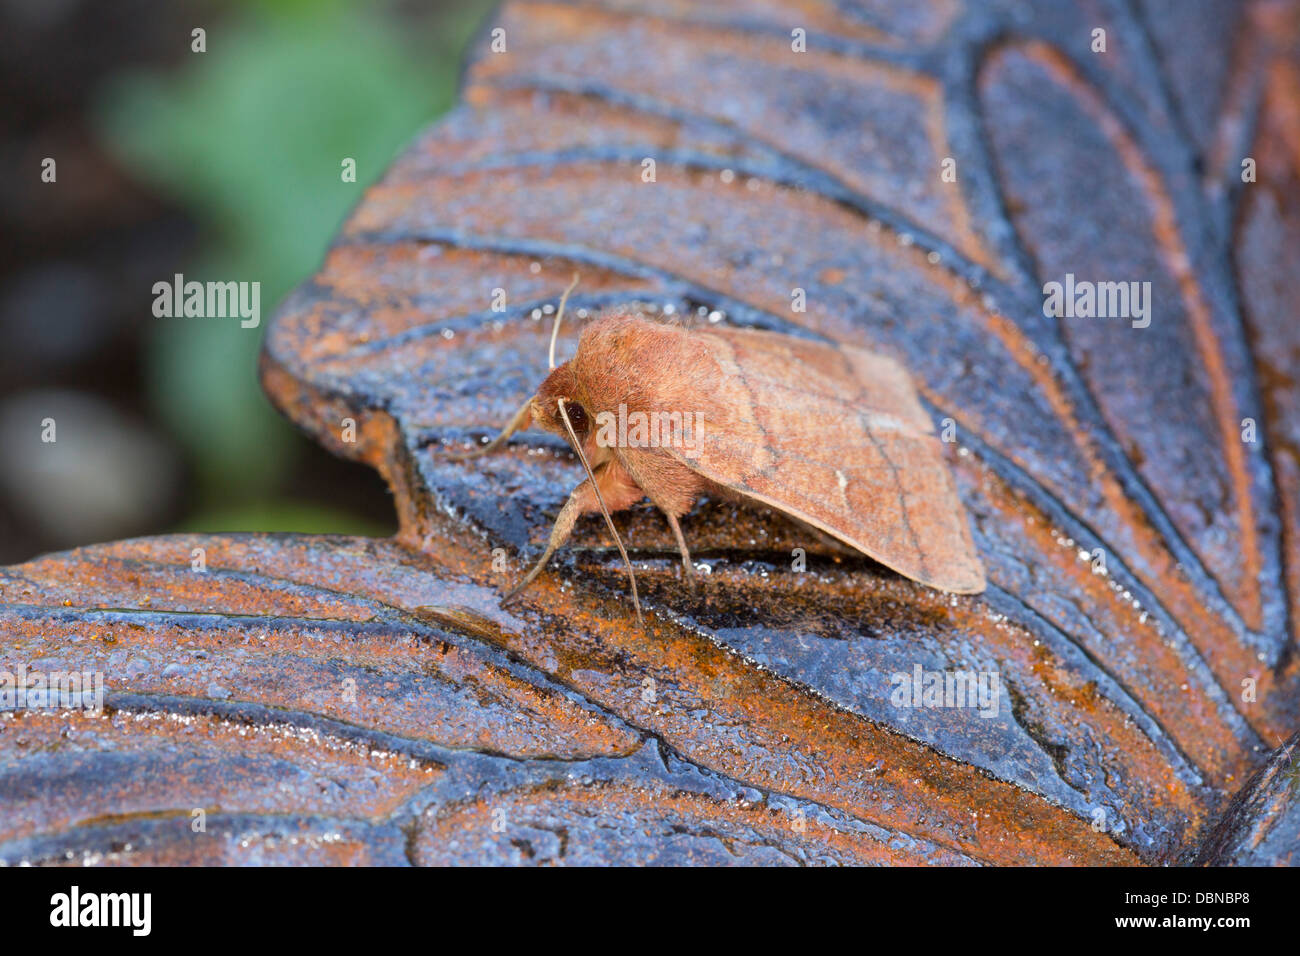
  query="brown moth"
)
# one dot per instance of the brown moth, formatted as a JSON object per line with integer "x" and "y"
{"x": 833, "y": 436}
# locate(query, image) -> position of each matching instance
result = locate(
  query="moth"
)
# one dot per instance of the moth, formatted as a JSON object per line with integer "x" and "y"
{"x": 830, "y": 435}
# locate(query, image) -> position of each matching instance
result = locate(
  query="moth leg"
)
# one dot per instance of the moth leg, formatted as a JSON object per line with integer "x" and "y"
{"x": 521, "y": 420}
{"x": 619, "y": 491}
{"x": 564, "y": 523}
{"x": 688, "y": 567}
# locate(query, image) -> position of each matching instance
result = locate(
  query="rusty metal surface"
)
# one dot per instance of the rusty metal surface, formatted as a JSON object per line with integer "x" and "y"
{"x": 1261, "y": 826}
{"x": 751, "y": 721}
{"x": 228, "y": 694}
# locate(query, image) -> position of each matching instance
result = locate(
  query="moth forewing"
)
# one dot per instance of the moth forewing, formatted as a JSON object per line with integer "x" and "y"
{"x": 877, "y": 481}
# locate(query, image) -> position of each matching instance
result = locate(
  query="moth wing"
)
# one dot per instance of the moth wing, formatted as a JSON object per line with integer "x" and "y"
{"x": 836, "y": 437}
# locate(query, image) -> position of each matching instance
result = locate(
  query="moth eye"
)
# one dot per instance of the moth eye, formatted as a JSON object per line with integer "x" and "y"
{"x": 577, "y": 417}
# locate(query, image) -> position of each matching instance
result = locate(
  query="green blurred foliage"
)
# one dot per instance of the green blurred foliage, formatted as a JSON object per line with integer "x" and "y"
{"x": 250, "y": 137}
{"x": 281, "y": 515}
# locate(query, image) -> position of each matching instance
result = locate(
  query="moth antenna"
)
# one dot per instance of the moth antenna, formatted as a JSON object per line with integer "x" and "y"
{"x": 600, "y": 499}
{"x": 521, "y": 417}
{"x": 518, "y": 422}
{"x": 559, "y": 314}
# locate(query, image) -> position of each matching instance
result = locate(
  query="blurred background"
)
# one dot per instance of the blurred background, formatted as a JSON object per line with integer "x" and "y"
{"x": 221, "y": 165}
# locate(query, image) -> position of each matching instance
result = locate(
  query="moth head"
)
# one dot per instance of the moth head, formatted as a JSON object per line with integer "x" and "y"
{"x": 546, "y": 414}
{"x": 562, "y": 385}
